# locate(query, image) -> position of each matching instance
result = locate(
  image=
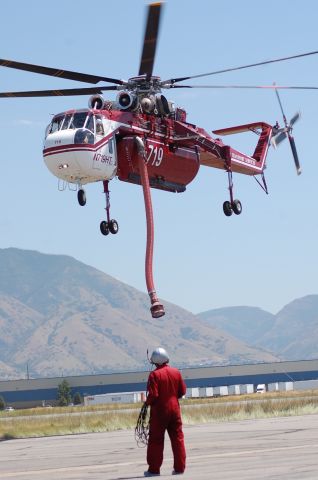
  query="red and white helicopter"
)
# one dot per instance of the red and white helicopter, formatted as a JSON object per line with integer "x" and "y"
{"x": 143, "y": 138}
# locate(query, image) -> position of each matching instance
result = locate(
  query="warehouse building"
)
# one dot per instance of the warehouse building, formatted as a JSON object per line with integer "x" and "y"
{"x": 33, "y": 392}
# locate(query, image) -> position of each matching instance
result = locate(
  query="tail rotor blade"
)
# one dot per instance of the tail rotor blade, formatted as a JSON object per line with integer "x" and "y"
{"x": 277, "y": 139}
{"x": 281, "y": 107}
{"x": 287, "y": 132}
{"x": 295, "y": 155}
{"x": 294, "y": 119}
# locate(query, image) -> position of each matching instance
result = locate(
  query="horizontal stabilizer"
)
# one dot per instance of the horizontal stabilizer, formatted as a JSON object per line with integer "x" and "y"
{"x": 249, "y": 127}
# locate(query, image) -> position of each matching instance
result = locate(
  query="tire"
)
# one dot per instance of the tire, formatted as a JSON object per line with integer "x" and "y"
{"x": 237, "y": 207}
{"x": 81, "y": 197}
{"x": 104, "y": 228}
{"x": 113, "y": 227}
{"x": 227, "y": 208}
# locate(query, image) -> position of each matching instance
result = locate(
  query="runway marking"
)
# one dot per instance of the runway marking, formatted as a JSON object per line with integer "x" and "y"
{"x": 142, "y": 464}
{"x": 248, "y": 452}
{"x": 70, "y": 469}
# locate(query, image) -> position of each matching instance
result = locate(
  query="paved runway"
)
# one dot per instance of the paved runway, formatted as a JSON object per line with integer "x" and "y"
{"x": 276, "y": 448}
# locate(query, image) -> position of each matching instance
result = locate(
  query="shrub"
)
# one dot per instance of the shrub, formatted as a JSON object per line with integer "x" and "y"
{"x": 64, "y": 394}
{"x": 77, "y": 399}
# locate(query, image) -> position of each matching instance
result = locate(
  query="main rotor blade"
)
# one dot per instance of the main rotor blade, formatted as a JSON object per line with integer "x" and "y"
{"x": 150, "y": 39}
{"x": 57, "y": 93}
{"x": 295, "y": 155}
{"x": 270, "y": 87}
{"x": 55, "y": 72}
{"x": 251, "y": 65}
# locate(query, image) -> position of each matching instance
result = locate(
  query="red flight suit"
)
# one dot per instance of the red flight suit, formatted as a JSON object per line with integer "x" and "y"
{"x": 165, "y": 386}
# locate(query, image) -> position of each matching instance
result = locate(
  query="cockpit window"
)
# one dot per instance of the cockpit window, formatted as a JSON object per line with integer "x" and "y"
{"x": 89, "y": 124}
{"x": 78, "y": 120}
{"x": 67, "y": 121}
{"x": 99, "y": 125}
{"x": 56, "y": 124}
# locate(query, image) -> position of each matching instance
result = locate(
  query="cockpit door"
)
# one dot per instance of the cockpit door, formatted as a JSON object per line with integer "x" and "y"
{"x": 105, "y": 157}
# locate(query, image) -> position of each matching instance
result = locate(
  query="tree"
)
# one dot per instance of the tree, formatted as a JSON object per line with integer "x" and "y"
{"x": 64, "y": 394}
{"x": 2, "y": 403}
{"x": 77, "y": 399}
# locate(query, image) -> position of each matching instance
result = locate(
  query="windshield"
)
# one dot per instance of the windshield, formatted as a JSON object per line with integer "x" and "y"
{"x": 71, "y": 121}
{"x": 89, "y": 127}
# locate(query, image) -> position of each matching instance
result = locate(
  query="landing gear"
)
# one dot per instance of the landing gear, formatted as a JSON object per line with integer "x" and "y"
{"x": 113, "y": 227}
{"x": 109, "y": 225}
{"x": 81, "y": 197}
{"x": 227, "y": 208}
{"x": 237, "y": 207}
{"x": 233, "y": 205}
{"x": 104, "y": 228}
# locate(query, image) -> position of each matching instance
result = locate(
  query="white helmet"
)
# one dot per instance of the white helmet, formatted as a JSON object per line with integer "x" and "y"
{"x": 159, "y": 356}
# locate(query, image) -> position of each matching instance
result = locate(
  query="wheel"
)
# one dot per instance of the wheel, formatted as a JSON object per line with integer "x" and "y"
{"x": 81, "y": 197}
{"x": 227, "y": 208}
{"x": 237, "y": 207}
{"x": 113, "y": 227}
{"x": 104, "y": 227}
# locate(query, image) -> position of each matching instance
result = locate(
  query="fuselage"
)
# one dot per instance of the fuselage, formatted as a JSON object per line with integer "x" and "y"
{"x": 84, "y": 146}
{"x": 90, "y": 145}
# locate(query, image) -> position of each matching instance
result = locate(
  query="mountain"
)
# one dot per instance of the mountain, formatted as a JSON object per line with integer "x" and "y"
{"x": 295, "y": 331}
{"x": 248, "y": 324}
{"x": 61, "y": 317}
{"x": 291, "y": 334}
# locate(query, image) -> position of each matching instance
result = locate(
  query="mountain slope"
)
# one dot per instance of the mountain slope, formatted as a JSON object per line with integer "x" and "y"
{"x": 295, "y": 332}
{"x": 60, "y": 316}
{"x": 248, "y": 324}
{"x": 292, "y": 334}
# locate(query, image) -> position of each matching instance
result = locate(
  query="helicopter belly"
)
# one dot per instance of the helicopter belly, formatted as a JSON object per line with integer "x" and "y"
{"x": 80, "y": 163}
{"x": 168, "y": 169}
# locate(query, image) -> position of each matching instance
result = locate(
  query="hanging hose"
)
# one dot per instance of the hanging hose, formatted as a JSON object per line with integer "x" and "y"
{"x": 157, "y": 309}
{"x": 142, "y": 427}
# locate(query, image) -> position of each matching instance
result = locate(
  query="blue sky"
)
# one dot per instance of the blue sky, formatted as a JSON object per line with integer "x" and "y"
{"x": 265, "y": 257}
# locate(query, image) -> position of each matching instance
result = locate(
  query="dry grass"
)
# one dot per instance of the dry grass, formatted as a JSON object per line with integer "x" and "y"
{"x": 99, "y": 418}
{"x": 266, "y": 407}
{"x": 67, "y": 423}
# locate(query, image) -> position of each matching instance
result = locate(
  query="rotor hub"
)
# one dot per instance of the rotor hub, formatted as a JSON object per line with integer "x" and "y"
{"x": 144, "y": 84}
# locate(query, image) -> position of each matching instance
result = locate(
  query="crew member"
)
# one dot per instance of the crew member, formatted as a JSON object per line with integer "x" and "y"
{"x": 165, "y": 386}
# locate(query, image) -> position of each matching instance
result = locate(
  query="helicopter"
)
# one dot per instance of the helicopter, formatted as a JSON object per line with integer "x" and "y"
{"x": 143, "y": 138}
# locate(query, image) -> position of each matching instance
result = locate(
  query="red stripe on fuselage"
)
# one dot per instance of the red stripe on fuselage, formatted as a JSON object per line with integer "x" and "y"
{"x": 77, "y": 147}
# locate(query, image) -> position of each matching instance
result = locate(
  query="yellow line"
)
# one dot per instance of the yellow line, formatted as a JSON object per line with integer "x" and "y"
{"x": 59, "y": 73}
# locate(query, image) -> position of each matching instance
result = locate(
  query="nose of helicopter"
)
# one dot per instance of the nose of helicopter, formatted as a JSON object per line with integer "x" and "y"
{"x": 56, "y": 139}
{"x": 72, "y": 156}
{"x": 63, "y": 151}
{"x": 69, "y": 137}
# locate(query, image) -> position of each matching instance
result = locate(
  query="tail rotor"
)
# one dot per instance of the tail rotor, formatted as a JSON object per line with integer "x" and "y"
{"x": 286, "y": 132}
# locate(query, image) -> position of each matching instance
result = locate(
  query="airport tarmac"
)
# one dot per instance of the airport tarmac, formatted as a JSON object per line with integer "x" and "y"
{"x": 274, "y": 448}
